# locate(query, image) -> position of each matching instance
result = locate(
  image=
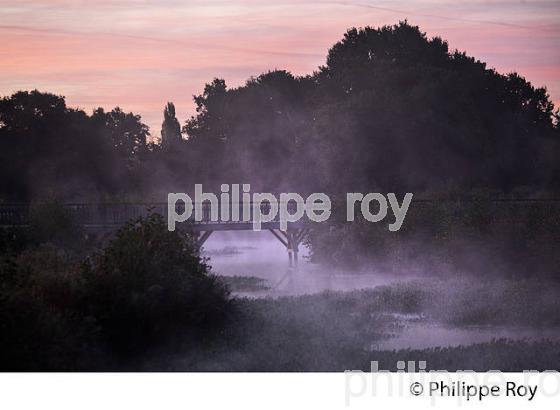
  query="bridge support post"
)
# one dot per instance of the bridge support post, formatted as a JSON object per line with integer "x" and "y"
{"x": 203, "y": 237}
{"x": 290, "y": 248}
{"x": 291, "y": 240}
{"x": 293, "y": 248}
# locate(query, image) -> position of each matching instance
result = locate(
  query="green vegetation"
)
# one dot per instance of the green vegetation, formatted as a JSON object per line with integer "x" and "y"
{"x": 149, "y": 285}
{"x": 390, "y": 111}
{"x": 504, "y": 355}
{"x": 244, "y": 283}
{"x": 144, "y": 289}
{"x": 335, "y": 331}
{"x": 144, "y": 299}
{"x": 481, "y": 237}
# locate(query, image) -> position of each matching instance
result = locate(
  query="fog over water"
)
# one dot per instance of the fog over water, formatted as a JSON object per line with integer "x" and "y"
{"x": 260, "y": 254}
{"x": 425, "y": 335}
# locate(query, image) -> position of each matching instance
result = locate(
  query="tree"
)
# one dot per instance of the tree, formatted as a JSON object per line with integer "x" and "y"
{"x": 48, "y": 149}
{"x": 391, "y": 110}
{"x": 170, "y": 128}
{"x": 125, "y": 130}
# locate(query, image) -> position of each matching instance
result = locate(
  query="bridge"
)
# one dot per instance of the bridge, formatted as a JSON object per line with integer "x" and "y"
{"x": 105, "y": 218}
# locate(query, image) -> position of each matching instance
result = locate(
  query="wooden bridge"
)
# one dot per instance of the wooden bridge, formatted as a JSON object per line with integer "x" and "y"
{"x": 104, "y": 218}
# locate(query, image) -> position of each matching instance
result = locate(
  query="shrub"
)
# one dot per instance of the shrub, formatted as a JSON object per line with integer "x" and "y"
{"x": 41, "y": 327}
{"x": 150, "y": 286}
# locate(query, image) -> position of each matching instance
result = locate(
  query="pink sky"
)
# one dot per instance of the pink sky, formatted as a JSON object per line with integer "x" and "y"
{"x": 141, "y": 54}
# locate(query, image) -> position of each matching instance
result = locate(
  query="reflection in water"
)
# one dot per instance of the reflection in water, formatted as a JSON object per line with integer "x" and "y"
{"x": 259, "y": 254}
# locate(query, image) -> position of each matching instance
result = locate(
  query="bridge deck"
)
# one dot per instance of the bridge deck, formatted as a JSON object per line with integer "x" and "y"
{"x": 106, "y": 217}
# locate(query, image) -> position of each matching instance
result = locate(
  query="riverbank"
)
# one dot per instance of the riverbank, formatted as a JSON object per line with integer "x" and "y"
{"x": 506, "y": 325}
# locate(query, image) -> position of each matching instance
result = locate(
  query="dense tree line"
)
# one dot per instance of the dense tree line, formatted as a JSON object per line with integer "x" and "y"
{"x": 47, "y": 148}
{"x": 391, "y": 110}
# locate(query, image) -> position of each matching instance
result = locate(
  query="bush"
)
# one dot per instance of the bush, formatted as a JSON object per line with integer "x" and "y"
{"x": 51, "y": 222}
{"x": 41, "y": 327}
{"x": 147, "y": 289}
{"x": 150, "y": 286}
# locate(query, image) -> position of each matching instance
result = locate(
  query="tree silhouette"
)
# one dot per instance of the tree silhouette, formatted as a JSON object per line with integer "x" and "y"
{"x": 390, "y": 110}
{"x": 125, "y": 130}
{"x": 170, "y": 128}
{"x": 48, "y": 149}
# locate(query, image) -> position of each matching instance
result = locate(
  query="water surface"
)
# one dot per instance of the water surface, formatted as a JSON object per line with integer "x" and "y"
{"x": 260, "y": 254}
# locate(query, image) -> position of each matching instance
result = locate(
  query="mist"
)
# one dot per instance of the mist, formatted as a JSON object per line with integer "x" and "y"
{"x": 473, "y": 271}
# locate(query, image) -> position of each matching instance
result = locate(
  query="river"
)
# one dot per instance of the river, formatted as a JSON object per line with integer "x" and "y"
{"x": 260, "y": 254}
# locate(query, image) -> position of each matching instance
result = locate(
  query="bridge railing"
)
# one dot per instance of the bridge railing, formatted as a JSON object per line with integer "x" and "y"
{"x": 15, "y": 215}
{"x": 115, "y": 214}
